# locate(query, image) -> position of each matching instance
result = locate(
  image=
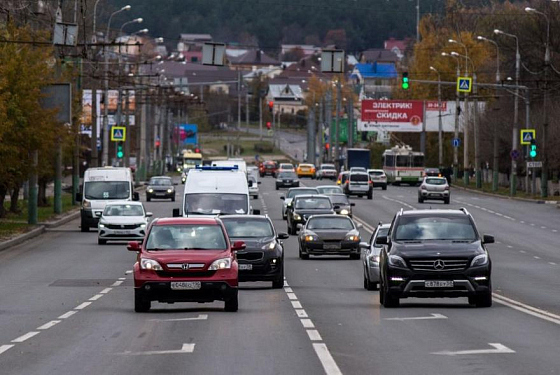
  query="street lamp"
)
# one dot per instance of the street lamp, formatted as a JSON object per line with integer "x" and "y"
{"x": 456, "y": 135}
{"x": 466, "y": 52}
{"x": 440, "y": 126}
{"x": 515, "y": 143}
{"x": 136, "y": 20}
{"x": 497, "y": 55}
{"x": 143, "y": 31}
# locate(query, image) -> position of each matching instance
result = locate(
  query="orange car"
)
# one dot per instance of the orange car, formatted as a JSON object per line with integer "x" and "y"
{"x": 305, "y": 170}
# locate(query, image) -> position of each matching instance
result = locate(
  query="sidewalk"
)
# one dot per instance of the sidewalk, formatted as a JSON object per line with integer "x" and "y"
{"x": 536, "y": 200}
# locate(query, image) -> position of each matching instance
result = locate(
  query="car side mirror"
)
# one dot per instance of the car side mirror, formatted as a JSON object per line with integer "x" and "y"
{"x": 79, "y": 197}
{"x": 238, "y": 245}
{"x": 352, "y": 204}
{"x": 337, "y": 207}
{"x": 382, "y": 240}
{"x": 365, "y": 245}
{"x": 487, "y": 239}
{"x": 282, "y": 236}
{"x": 135, "y": 196}
{"x": 133, "y": 246}
{"x": 299, "y": 226}
{"x": 283, "y": 197}
{"x": 149, "y": 214}
{"x": 256, "y": 212}
{"x": 176, "y": 212}
{"x": 250, "y": 183}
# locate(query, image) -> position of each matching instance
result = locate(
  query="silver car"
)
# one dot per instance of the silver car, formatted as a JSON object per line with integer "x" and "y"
{"x": 434, "y": 188}
{"x": 370, "y": 257}
{"x": 123, "y": 221}
{"x": 329, "y": 189}
{"x": 293, "y": 192}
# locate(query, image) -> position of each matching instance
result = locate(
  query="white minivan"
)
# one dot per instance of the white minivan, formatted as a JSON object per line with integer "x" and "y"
{"x": 211, "y": 190}
{"x": 240, "y": 163}
{"x": 101, "y": 186}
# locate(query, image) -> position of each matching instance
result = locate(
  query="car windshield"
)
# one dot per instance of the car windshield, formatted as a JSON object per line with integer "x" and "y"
{"x": 248, "y": 228}
{"x": 339, "y": 199}
{"x": 358, "y": 177}
{"x": 187, "y": 237}
{"x": 330, "y": 223}
{"x": 295, "y": 193}
{"x": 123, "y": 210}
{"x": 160, "y": 182}
{"x": 313, "y": 203}
{"x": 330, "y": 190}
{"x": 107, "y": 190}
{"x": 436, "y": 181}
{"x": 214, "y": 204}
{"x": 435, "y": 227}
{"x": 287, "y": 175}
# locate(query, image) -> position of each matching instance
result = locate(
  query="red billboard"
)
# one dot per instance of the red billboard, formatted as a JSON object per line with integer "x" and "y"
{"x": 392, "y": 115}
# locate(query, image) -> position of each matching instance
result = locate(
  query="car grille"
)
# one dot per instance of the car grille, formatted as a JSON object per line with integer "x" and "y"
{"x": 182, "y": 273}
{"x": 438, "y": 264}
{"x": 119, "y": 226}
{"x": 254, "y": 255}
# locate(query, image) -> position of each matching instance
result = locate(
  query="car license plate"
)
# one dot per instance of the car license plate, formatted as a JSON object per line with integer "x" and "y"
{"x": 438, "y": 284}
{"x": 245, "y": 267}
{"x": 122, "y": 232}
{"x": 186, "y": 285}
{"x": 331, "y": 246}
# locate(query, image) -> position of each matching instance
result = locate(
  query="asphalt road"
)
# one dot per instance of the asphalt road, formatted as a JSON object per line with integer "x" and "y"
{"x": 67, "y": 307}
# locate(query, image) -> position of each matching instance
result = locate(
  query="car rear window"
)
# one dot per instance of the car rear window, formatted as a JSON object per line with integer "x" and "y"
{"x": 376, "y": 173}
{"x": 313, "y": 203}
{"x": 295, "y": 193}
{"x": 440, "y": 227}
{"x": 330, "y": 190}
{"x": 287, "y": 175}
{"x": 247, "y": 228}
{"x": 359, "y": 177}
{"x": 436, "y": 181}
{"x": 339, "y": 199}
{"x": 331, "y": 167}
{"x": 186, "y": 237}
{"x": 330, "y": 223}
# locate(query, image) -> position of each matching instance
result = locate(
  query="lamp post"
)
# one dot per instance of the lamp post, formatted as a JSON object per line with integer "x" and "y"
{"x": 495, "y": 161}
{"x": 456, "y": 135}
{"x": 513, "y": 178}
{"x": 106, "y": 91}
{"x": 94, "y": 37}
{"x": 544, "y": 176}
{"x": 143, "y": 31}
{"x": 440, "y": 127}
{"x": 466, "y": 53}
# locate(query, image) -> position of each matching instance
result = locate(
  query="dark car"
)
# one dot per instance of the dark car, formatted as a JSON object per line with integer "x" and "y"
{"x": 329, "y": 235}
{"x": 268, "y": 168}
{"x": 161, "y": 187}
{"x": 263, "y": 257}
{"x": 186, "y": 260}
{"x": 304, "y": 206}
{"x": 287, "y": 179}
{"x": 342, "y": 204}
{"x": 435, "y": 253}
{"x": 293, "y": 192}
{"x": 432, "y": 172}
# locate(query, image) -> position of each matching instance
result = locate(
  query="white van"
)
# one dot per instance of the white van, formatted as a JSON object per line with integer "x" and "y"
{"x": 215, "y": 191}
{"x": 101, "y": 186}
{"x": 240, "y": 163}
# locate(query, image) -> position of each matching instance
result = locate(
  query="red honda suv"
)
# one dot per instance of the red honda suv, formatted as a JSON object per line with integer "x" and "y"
{"x": 268, "y": 168}
{"x": 186, "y": 260}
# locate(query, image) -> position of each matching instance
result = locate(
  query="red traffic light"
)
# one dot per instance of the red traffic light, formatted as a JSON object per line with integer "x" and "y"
{"x": 271, "y": 104}
{"x": 197, "y": 150}
{"x": 268, "y": 125}
{"x": 327, "y": 145}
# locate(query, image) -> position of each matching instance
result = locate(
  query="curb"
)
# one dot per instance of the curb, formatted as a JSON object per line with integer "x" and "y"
{"x": 72, "y": 215}
{"x": 540, "y": 201}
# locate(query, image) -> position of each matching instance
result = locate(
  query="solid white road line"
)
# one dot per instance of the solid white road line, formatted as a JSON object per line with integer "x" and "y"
{"x": 301, "y": 313}
{"x": 554, "y": 230}
{"x": 307, "y": 323}
{"x": 49, "y": 324}
{"x": 4, "y": 348}
{"x": 527, "y": 309}
{"x": 329, "y": 365}
{"x": 96, "y": 297}
{"x": 187, "y": 348}
{"x": 106, "y": 290}
{"x": 28, "y": 335}
{"x": 82, "y": 306}
{"x": 432, "y": 316}
{"x": 67, "y": 315}
{"x": 314, "y": 335}
{"x": 498, "y": 349}
{"x": 536, "y": 257}
{"x": 199, "y": 317}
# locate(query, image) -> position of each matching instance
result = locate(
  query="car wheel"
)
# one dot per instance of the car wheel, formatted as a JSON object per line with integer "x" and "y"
{"x": 101, "y": 242}
{"x": 148, "y": 198}
{"x": 389, "y": 300}
{"x": 420, "y": 200}
{"x": 384, "y": 187}
{"x": 484, "y": 300}
{"x": 232, "y": 303}
{"x": 276, "y": 187}
{"x": 370, "y": 195}
{"x": 140, "y": 304}
{"x": 446, "y": 201}
{"x": 368, "y": 285}
{"x": 290, "y": 229}
{"x": 381, "y": 293}
{"x": 354, "y": 256}
{"x": 284, "y": 217}
{"x": 279, "y": 282}
{"x": 173, "y": 199}
{"x": 84, "y": 227}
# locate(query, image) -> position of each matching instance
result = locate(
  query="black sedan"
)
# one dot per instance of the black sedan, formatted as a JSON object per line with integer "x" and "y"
{"x": 329, "y": 235}
{"x": 263, "y": 257}
{"x": 287, "y": 179}
{"x": 160, "y": 187}
{"x": 304, "y": 206}
{"x": 344, "y": 207}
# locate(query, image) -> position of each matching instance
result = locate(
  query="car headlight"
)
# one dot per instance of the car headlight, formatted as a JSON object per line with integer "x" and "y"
{"x": 220, "y": 264}
{"x": 278, "y": 180}
{"x": 480, "y": 260}
{"x": 101, "y": 225}
{"x": 179, "y": 170}
{"x": 150, "y": 190}
{"x": 170, "y": 190}
{"x": 344, "y": 212}
{"x": 143, "y": 225}
{"x": 297, "y": 216}
{"x": 150, "y": 264}
{"x": 374, "y": 258}
{"x": 397, "y": 261}
{"x": 86, "y": 204}
{"x": 269, "y": 246}
{"x": 352, "y": 237}
{"x": 310, "y": 238}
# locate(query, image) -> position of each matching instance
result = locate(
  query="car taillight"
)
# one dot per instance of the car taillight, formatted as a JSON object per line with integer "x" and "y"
{"x": 423, "y": 187}
{"x": 370, "y": 182}
{"x": 447, "y": 188}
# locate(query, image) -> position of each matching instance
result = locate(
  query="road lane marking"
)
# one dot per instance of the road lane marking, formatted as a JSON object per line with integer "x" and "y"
{"x": 307, "y": 323}
{"x": 301, "y": 313}
{"x": 82, "y": 306}
{"x": 106, "y": 290}
{"x": 128, "y": 272}
{"x": 365, "y": 225}
{"x": 5, "y": 348}
{"x": 554, "y": 230}
{"x": 122, "y": 278}
{"x": 329, "y": 365}
{"x": 498, "y": 349}
{"x": 96, "y": 297}
{"x": 510, "y": 247}
{"x": 296, "y": 304}
{"x": 67, "y": 315}
{"x": 288, "y": 290}
{"x": 536, "y": 257}
{"x": 400, "y": 202}
{"x": 27, "y": 336}
{"x": 117, "y": 283}
{"x": 199, "y": 317}
{"x": 292, "y": 296}
{"x": 432, "y": 316}
{"x": 523, "y": 251}
{"x": 187, "y": 348}
{"x": 527, "y": 309}
{"x": 552, "y": 263}
{"x": 48, "y": 325}
{"x": 522, "y": 222}
{"x": 314, "y": 335}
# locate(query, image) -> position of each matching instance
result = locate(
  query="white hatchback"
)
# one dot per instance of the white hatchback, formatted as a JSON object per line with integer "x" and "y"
{"x": 123, "y": 221}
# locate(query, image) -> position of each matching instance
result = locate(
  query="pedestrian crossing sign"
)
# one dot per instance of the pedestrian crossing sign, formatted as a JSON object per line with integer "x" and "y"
{"x": 527, "y": 135}
{"x": 118, "y": 134}
{"x": 464, "y": 84}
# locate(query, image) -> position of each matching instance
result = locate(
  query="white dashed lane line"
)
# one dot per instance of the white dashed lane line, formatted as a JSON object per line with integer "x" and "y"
{"x": 4, "y": 348}
{"x": 48, "y": 325}
{"x": 82, "y": 306}
{"x": 67, "y": 315}
{"x": 25, "y": 337}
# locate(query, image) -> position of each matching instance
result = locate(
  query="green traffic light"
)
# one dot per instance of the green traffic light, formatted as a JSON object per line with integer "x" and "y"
{"x": 404, "y": 83}
{"x": 120, "y": 152}
{"x": 533, "y": 152}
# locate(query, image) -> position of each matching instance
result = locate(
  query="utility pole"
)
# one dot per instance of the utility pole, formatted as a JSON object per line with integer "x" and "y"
{"x": 105, "y": 160}
{"x": 350, "y": 127}
{"x": 328, "y": 118}
{"x": 128, "y": 130}
{"x": 247, "y": 109}
{"x": 32, "y": 201}
{"x": 93, "y": 145}
{"x": 456, "y": 149}
{"x": 337, "y": 124}
{"x": 260, "y": 117}
{"x": 440, "y": 126}
{"x": 321, "y": 128}
{"x": 238, "y": 101}
{"x": 142, "y": 163}
{"x": 478, "y": 173}
{"x": 311, "y": 135}
{"x": 466, "y": 142}
{"x": 423, "y": 133}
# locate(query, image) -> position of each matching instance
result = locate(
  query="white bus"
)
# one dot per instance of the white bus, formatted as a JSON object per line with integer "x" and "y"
{"x": 403, "y": 165}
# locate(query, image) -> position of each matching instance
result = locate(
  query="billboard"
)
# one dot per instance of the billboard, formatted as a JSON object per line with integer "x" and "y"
{"x": 87, "y": 109}
{"x": 188, "y": 134}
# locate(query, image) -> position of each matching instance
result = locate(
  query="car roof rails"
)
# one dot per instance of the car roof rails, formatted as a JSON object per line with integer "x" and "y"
{"x": 464, "y": 210}
{"x": 401, "y": 211}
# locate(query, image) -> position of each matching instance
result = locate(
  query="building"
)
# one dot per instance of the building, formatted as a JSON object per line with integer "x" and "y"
{"x": 252, "y": 60}
{"x": 287, "y": 98}
{"x": 375, "y": 79}
{"x": 190, "y": 42}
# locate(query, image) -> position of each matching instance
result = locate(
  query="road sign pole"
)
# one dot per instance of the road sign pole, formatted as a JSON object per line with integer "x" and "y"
{"x": 58, "y": 179}
{"x": 456, "y": 149}
{"x": 476, "y": 141}
{"x": 466, "y": 142}
{"x": 32, "y": 201}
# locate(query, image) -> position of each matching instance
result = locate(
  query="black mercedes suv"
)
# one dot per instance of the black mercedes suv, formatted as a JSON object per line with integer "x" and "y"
{"x": 435, "y": 253}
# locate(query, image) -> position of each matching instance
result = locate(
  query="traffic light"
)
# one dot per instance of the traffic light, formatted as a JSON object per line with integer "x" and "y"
{"x": 268, "y": 125}
{"x": 533, "y": 150}
{"x": 197, "y": 150}
{"x": 327, "y": 146}
{"x": 404, "y": 84}
{"x": 270, "y": 106}
{"x": 120, "y": 151}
